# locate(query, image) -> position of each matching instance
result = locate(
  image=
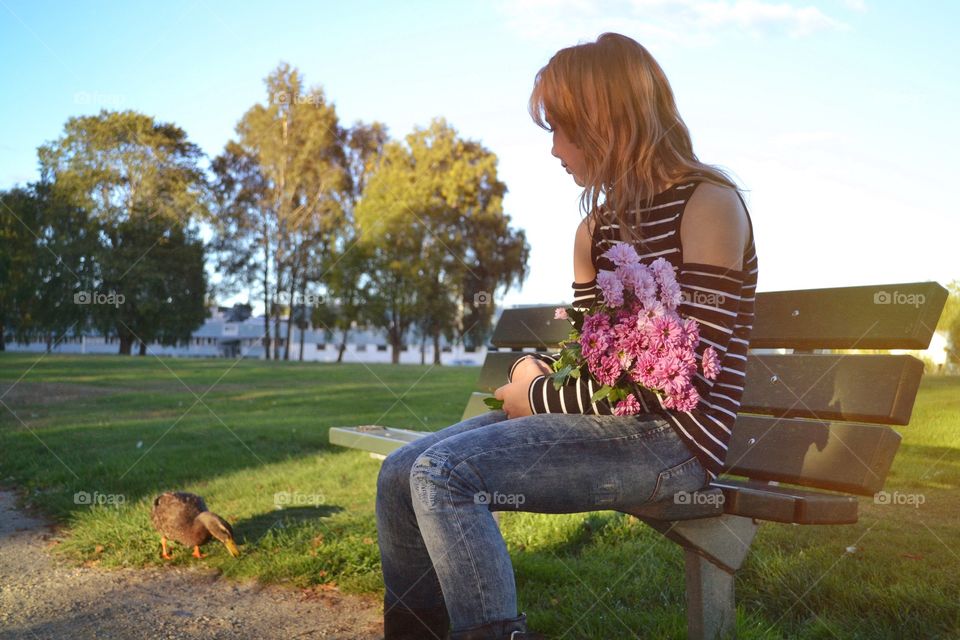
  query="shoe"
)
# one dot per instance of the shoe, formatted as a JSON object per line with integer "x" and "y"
{"x": 509, "y": 629}
{"x": 401, "y": 623}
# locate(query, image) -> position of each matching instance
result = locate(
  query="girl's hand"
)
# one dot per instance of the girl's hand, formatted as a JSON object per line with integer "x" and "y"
{"x": 516, "y": 404}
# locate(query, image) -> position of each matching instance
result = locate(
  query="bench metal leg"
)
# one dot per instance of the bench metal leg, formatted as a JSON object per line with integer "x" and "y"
{"x": 714, "y": 549}
{"x": 711, "y": 606}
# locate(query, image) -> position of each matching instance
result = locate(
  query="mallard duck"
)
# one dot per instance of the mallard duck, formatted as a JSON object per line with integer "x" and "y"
{"x": 184, "y": 517}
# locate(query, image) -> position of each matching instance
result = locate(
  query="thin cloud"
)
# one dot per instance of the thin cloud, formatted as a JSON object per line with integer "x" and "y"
{"x": 688, "y": 23}
{"x": 808, "y": 138}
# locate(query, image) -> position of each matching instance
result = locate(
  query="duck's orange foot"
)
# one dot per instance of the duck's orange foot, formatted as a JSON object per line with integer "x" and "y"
{"x": 163, "y": 545}
{"x": 196, "y": 552}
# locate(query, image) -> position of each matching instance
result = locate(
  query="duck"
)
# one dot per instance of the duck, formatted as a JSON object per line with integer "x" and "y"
{"x": 184, "y": 518}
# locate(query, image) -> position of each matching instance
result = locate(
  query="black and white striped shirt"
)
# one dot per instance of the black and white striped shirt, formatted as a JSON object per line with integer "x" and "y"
{"x": 721, "y": 300}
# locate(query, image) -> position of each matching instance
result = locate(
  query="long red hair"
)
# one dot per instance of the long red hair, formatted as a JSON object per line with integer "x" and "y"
{"x": 612, "y": 99}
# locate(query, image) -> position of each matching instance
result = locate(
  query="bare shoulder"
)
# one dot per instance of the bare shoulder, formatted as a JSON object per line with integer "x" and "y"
{"x": 714, "y": 228}
{"x": 588, "y": 223}
{"x": 583, "y": 270}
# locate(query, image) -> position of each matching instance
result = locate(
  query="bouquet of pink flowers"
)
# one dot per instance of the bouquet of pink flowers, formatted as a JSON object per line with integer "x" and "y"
{"x": 635, "y": 337}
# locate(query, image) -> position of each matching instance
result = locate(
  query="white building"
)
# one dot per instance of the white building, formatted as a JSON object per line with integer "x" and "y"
{"x": 218, "y": 337}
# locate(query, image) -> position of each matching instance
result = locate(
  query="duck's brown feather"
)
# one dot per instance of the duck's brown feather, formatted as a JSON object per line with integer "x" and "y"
{"x": 174, "y": 515}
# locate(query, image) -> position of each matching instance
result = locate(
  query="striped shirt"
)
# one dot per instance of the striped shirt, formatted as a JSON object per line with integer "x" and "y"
{"x": 721, "y": 300}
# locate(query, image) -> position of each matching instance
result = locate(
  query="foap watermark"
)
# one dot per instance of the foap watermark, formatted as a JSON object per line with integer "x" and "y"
{"x": 702, "y": 298}
{"x": 711, "y": 498}
{"x": 897, "y": 498}
{"x": 285, "y": 97}
{"x": 97, "y": 98}
{"x": 97, "y": 498}
{"x": 512, "y": 499}
{"x": 301, "y": 300}
{"x": 482, "y": 298}
{"x": 283, "y": 499}
{"x": 898, "y": 297}
{"x": 99, "y": 297}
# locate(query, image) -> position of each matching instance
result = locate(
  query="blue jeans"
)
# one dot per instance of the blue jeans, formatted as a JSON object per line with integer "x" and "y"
{"x": 439, "y": 542}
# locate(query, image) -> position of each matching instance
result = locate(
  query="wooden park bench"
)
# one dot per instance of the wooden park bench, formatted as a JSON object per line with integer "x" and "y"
{"x": 811, "y": 436}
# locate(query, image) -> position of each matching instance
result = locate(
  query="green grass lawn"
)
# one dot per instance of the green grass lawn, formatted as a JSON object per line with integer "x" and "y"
{"x": 127, "y": 428}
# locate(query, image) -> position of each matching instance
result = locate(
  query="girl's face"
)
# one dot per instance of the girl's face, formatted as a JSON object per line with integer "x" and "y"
{"x": 570, "y": 155}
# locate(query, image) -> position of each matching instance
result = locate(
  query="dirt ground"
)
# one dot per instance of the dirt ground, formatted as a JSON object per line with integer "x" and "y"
{"x": 43, "y": 597}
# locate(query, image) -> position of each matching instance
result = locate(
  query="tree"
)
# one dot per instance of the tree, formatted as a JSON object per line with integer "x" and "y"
{"x": 428, "y": 210}
{"x": 244, "y": 228}
{"x": 140, "y": 184}
{"x": 348, "y": 261}
{"x": 950, "y": 322}
{"x": 20, "y": 215}
{"x": 289, "y": 153}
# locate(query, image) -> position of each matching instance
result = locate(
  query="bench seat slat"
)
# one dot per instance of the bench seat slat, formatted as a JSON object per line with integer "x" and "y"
{"x": 759, "y": 500}
{"x": 373, "y": 438}
{"x": 705, "y": 503}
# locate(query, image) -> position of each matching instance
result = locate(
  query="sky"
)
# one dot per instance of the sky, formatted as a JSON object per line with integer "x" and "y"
{"x": 836, "y": 117}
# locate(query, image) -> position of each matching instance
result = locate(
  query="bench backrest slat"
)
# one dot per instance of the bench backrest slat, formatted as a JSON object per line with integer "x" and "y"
{"x": 863, "y": 388}
{"x": 840, "y": 456}
{"x": 894, "y": 316}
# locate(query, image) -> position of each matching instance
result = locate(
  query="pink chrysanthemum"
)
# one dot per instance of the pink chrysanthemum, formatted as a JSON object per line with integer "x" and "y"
{"x": 671, "y": 295}
{"x": 629, "y": 406}
{"x": 639, "y": 281}
{"x": 686, "y": 400}
{"x": 645, "y": 370}
{"x": 622, "y": 254}
{"x": 690, "y": 332}
{"x": 560, "y": 314}
{"x": 609, "y": 370}
{"x": 710, "y": 363}
{"x": 611, "y": 287}
{"x": 663, "y": 271}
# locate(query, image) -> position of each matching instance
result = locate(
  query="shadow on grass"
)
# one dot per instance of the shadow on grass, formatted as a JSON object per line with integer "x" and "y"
{"x": 255, "y": 528}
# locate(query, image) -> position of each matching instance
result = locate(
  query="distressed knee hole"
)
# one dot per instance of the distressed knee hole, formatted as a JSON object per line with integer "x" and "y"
{"x": 429, "y": 471}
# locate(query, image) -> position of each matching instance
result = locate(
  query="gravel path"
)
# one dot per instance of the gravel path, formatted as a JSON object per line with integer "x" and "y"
{"x": 43, "y": 597}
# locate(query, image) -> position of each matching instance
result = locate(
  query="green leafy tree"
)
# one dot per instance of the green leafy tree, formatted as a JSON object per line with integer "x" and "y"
{"x": 46, "y": 249}
{"x": 950, "y": 322}
{"x": 293, "y": 148}
{"x": 140, "y": 184}
{"x": 20, "y": 222}
{"x": 348, "y": 262}
{"x": 429, "y": 210}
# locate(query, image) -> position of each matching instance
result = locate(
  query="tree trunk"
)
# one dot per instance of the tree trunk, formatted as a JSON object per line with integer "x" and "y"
{"x": 3, "y": 339}
{"x": 303, "y": 300}
{"x": 436, "y": 347}
{"x": 423, "y": 349}
{"x": 143, "y": 348}
{"x": 343, "y": 346}
{"x": 395, "y": 344}
{"x": 266, "y": 310}
{"x": 126, "y": 342}
{"x": 293, "y": 290}
{"x": 276, "y": 327}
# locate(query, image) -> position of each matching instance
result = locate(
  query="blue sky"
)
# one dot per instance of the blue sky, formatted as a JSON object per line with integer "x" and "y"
{"x": 838, "y": 117}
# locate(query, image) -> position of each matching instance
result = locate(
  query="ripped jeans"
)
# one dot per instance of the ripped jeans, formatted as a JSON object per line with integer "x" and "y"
{"x": 439, "y": 542}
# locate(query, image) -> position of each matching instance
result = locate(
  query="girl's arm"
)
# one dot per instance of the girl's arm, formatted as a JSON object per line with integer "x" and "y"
{"x": 583, "y": 286}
